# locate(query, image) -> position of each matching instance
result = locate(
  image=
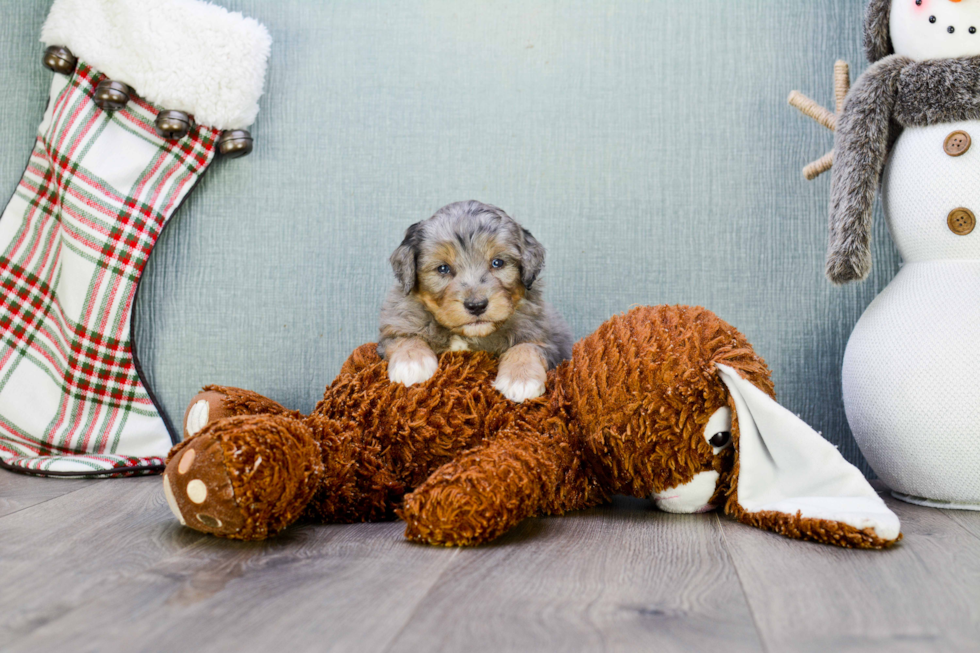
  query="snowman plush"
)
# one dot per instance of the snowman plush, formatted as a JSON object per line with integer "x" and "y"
{"x": 911, "y": 125}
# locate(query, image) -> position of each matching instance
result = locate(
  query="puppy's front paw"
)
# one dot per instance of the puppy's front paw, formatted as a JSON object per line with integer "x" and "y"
{"x": 517, "y": 389}
{"x": 411, "y": 368}
{"x": 522, "y": 373}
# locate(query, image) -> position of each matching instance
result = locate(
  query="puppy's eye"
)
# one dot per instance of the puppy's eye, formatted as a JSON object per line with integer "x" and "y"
{"x": 721, "y": 439}
{"x": 498, "y": 263}
{"x": 444, "y": 269}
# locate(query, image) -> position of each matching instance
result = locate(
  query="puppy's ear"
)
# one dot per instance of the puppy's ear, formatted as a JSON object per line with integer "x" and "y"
{"x": 532, "y": 259}
{"x": 403, "y": 259}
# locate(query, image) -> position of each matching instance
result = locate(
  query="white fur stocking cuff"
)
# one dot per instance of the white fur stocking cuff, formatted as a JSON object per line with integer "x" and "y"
{"x": 185, "y": 55}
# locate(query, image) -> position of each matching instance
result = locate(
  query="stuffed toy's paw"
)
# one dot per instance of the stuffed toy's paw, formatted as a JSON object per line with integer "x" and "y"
{"x": 244, "y": 477}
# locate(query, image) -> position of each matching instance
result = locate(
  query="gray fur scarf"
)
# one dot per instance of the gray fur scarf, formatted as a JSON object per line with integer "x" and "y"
{"x": 894, "y": 93}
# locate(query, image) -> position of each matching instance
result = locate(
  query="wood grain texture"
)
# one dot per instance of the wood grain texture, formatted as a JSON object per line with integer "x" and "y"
{"x": 968, "y": 519}
{"x": 324, "y": 588}
{"x": 63, "y": 552}
{"x": 107, "y": 568}
{"x": 623, "y": 577}
{"x": 922, "y": 595}
{"x": 18, "y": 491}
{"x": 111, "y": 566}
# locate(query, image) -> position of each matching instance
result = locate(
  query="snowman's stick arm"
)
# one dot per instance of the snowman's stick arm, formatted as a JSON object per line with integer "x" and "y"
{"x": 842, "y": 84}
{"x": 812, "y": 110}
{"x": 809, "y": 108}
{"x": 818, "y": 167}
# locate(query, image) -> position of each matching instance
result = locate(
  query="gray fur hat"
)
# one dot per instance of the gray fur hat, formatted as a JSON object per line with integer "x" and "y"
{"x": 877, "y": 38}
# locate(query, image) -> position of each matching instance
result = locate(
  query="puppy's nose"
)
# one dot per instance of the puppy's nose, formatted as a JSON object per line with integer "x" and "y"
{"x": 476, "y": 306}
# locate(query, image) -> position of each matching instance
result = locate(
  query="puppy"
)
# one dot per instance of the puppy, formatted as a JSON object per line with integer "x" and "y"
{"x": 466, "y": 282}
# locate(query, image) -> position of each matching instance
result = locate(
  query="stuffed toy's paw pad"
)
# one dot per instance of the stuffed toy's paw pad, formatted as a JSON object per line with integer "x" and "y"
{"x": 245, "y": 477}
{"x": 207, "y": 406}
{"x": 199, "y": 491}
{"x": 197, "y": 417}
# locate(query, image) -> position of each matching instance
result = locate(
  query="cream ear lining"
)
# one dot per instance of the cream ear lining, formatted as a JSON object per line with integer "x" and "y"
{"x": 787, "y": 467}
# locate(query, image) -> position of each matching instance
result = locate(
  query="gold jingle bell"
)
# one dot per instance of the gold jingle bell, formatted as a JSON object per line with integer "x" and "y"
{"x": 112, "y": 96}
{"x": 59, "y": 59}
{"x": 234, "y": 143}
{"x": 172, "y": 125}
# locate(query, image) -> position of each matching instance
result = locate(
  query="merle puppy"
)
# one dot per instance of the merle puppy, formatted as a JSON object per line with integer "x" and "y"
{"x": 466, "y": 282}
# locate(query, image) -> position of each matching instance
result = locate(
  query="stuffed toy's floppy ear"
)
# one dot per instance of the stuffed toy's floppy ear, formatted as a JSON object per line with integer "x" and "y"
{"x": 792, "y": 481}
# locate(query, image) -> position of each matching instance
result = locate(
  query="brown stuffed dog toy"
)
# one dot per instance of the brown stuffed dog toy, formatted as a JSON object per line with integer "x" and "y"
{"x": 670, "y": 403}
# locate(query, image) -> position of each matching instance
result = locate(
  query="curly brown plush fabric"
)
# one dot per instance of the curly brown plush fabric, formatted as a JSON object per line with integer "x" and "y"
{"x": 258, "y": 471}
{"x": 461, "y": 464}
{"x": 815, "y": 530}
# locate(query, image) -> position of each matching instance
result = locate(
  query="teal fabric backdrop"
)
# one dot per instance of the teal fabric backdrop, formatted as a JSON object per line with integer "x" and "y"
{"x": 647, "y": 144}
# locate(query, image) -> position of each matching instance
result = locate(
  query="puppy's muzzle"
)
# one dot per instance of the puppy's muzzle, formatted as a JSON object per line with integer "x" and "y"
{"x": 476, "y": 306}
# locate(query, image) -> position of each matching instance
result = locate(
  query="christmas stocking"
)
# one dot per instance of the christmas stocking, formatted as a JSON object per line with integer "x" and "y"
{"x": 145, "y": 94}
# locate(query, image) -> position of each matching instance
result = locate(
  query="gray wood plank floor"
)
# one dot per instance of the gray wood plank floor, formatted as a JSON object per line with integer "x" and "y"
{"x": 102, "y": 566}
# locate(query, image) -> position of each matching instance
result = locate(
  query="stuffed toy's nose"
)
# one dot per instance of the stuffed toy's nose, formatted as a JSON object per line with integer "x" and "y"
{"x": 692, "y": 497}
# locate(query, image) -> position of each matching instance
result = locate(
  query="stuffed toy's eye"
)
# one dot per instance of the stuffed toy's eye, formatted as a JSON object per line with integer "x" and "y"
{"x": 721, "y": 440}
{"x": 498, "y": 263}
{"x": 719, "y": 427}
{"x": 444, "y": 269}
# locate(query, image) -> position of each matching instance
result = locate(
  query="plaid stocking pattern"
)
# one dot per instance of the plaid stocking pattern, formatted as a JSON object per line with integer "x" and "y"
{"x": 74, "y": 239}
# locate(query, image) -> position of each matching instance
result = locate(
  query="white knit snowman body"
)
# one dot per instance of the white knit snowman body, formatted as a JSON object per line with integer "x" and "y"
{"x": 911, "y": 374}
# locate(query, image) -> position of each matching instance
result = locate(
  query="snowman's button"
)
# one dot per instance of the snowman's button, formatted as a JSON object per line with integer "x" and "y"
{"x": 961, "y": 221}
{"x": 957, "y": 143}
